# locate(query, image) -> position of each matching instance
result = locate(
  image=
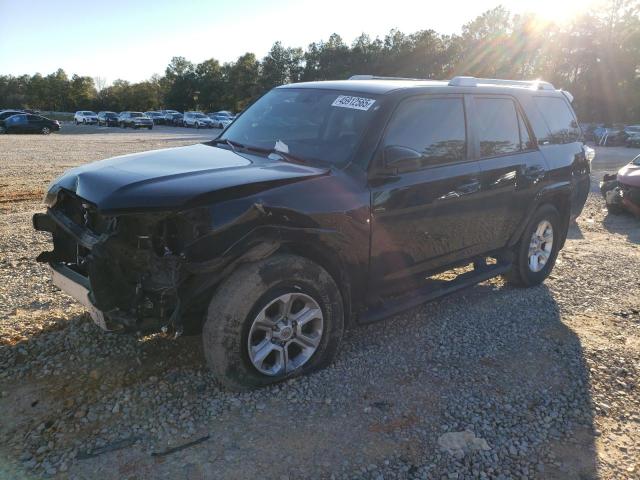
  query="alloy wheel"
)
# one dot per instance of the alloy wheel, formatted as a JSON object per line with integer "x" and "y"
{"x": 285, "y": 334}
{"x": 540, "y": 246}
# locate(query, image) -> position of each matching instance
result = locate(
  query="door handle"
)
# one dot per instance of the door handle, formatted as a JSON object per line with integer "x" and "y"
{"x": 461, "y": 190}
{"x": 468, "y": 188}
{"x": 534, "y": 173}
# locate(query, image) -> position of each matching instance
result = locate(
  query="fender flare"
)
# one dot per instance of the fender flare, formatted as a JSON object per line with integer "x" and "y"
{"x": 546, "y": 194}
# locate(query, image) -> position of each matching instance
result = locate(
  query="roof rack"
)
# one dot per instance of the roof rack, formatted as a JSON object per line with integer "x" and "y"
{"x": 474, "y": 82}
{"x": 375, "y": 77}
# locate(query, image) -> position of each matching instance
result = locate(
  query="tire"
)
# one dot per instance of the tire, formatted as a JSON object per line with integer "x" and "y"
{"x": 522, "y": 274}
{"x": 250, "y": 290}
{"x": 45, "y": 130}
{"x": 150, "y": 127}
{"x": 122, "y": 125}
{"x": 3, "y": 130}
{"x": 197, "y": 126}
{"x": 77, "y": 122}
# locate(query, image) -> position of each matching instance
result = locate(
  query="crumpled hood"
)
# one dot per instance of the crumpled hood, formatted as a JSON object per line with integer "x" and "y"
{"x": 174, "y": 178}
{"x": 630, "y": 175}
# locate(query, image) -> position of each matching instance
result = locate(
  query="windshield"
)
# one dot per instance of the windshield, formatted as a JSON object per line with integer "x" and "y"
{"x": 200, "y": 115}
{"x": 137, "y": 114}
{"x": 636, "y": 161}
{"x": 316, "y": 124}
{"x": 110, "y": 114}
{"x": 90, "y": 113}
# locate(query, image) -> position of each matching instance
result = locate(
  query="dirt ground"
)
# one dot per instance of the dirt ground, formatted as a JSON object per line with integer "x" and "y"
{"x": 548, "y": 377}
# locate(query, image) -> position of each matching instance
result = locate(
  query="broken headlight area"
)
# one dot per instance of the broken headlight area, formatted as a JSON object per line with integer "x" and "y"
{"x": 134, "y": 264}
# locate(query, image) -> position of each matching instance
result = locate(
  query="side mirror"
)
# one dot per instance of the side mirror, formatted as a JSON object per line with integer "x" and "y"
{"x": 401, "y": 158}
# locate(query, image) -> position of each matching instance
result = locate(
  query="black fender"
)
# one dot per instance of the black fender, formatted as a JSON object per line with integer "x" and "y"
{"x": 321, "y": 245}
{"x": 558, "y": 194}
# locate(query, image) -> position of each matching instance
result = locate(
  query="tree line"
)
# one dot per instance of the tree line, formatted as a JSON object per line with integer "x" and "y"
{"x": 596, "y": 57}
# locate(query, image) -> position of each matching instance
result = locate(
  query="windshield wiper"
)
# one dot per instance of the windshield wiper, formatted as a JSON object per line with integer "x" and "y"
{"x": 268, "y": 151}
{"x": 226, "y": 141}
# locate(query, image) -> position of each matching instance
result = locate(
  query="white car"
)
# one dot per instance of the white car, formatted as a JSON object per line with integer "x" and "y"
{"x": 85, "y": 117}
{"x": 220, "y": 120}
{"x": 196, "y": 119}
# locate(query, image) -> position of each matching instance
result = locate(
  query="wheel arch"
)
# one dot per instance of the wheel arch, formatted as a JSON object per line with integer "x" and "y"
{"x": 557, "y": 195}
{"x": 312, "y": 244}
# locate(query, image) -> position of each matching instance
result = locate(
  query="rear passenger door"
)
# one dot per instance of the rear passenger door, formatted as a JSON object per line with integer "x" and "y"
{"x": 424, "y": 214}
{"x": 511, "y": 166}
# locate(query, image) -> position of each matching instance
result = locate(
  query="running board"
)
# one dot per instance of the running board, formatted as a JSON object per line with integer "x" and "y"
{"x": 433, "y": 290}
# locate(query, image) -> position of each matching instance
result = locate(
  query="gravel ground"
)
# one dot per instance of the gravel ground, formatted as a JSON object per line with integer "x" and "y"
{"x": 495, "y": 382}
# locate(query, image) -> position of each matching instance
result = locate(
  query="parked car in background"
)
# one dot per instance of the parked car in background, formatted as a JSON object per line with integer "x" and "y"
{"x": 633, "y": 141}
{"x": 220, "y": 121}
{"x": 169, "y": 116}
{"x": 8, "y": 113}
{"x": 108, "y": 119}
{"x": 631, "y": 135}
{"x": 85, "y": 117}
{"x": 197, "y": 119}
{"x": 226, "y": 113}
{"x": 29, "y": 123}
{"x": 156, "y": 117}
{"x": 174, "y": 119}
{"x": 134, "y": 120}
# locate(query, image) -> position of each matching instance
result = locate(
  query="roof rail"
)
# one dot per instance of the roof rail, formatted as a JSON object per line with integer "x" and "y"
{"x": 375, "y": 77}
{"x": 474, "y": 82}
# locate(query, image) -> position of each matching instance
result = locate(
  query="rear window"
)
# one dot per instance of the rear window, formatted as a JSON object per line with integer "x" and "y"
{"x": 560, "y": 121}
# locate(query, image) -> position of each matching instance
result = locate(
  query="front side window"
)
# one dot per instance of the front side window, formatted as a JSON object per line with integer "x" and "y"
{"x": 562, "y": 124}
{"x": 312, "y": 124}
{"x": 497, "y": 126}
{"x": 434, "y": 128}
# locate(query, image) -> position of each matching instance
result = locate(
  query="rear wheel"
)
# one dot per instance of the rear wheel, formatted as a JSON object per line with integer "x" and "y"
{"x": 2, "y": 130}
{"x": 537, "y": 250}
{"x": 272, "y": 320}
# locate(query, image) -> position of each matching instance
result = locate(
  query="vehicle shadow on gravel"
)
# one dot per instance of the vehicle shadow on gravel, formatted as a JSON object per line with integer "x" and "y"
{"x": 623, "y": 224}
{"x": 493, "y": 360}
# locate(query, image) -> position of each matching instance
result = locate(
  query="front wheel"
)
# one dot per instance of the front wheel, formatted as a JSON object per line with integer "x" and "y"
{"x": 537, "y": 250}
{"x": 197, "y": 126}
{"x": 122, "y": 125}
{"x": 273, "y": 320}
{"x": 45, "y": 130}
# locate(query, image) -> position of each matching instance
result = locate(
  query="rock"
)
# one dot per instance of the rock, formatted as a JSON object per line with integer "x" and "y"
{"x": 456, "y": 443}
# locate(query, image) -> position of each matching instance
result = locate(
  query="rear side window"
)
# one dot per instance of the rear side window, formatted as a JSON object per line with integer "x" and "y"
{"x": 562, "y": 124}
{"x": 497, "y": 126}
{"x": 433, "y": 127}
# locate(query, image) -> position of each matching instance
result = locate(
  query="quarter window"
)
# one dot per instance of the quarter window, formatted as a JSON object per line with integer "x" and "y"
{"x": 563, "y": 127}
{"x": 432, "y": 127}
{"x": 497, "y": 126}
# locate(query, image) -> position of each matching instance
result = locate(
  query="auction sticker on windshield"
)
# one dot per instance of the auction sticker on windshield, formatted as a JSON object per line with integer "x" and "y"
{"x": 359, "y": 103}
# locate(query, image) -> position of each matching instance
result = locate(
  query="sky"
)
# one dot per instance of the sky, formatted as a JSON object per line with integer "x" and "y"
{"x": 132, "y": 40}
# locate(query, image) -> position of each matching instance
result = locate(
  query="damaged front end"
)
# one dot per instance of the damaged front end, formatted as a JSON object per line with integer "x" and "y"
{"x": 622, "y": 190}
{"x": 128, "y": 269}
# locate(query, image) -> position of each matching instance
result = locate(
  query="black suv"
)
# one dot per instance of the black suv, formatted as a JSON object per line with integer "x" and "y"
{"x": 323, "y": 204}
